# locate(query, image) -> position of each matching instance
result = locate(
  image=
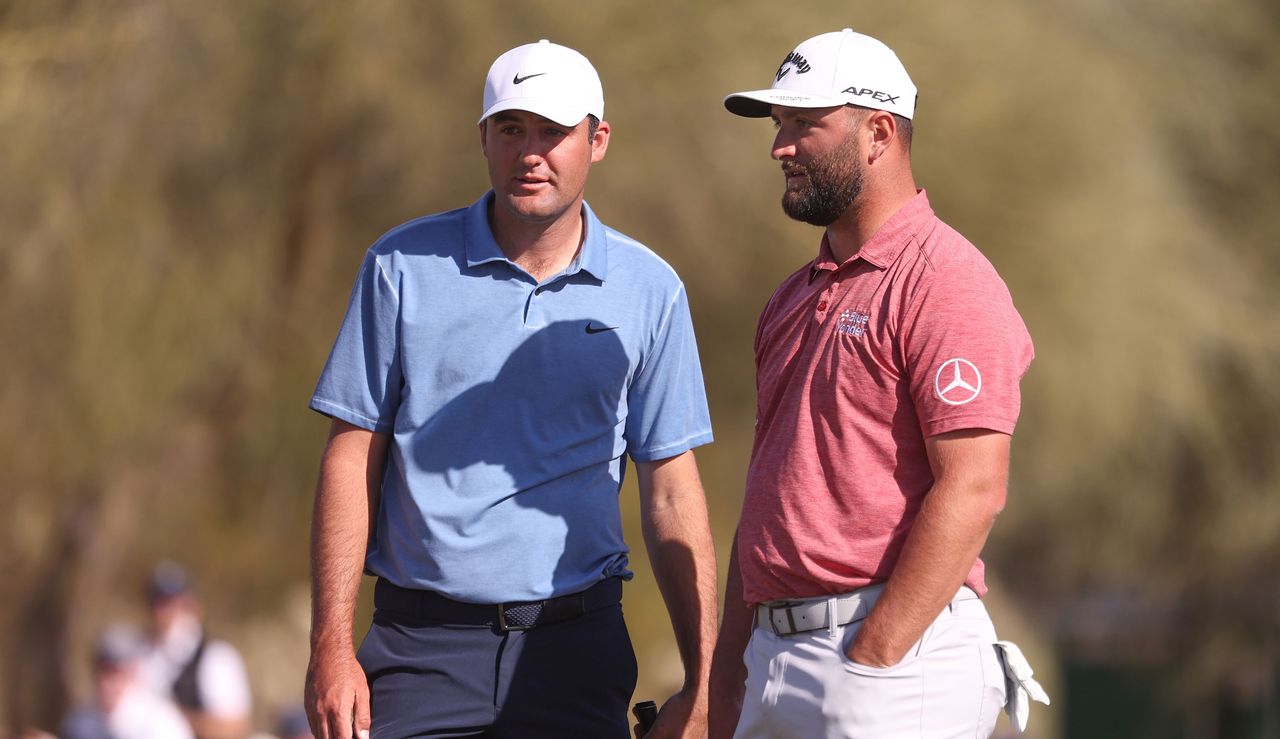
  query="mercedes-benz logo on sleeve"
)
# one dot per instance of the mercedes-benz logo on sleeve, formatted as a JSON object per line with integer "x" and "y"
{"x": 957, "y": 382}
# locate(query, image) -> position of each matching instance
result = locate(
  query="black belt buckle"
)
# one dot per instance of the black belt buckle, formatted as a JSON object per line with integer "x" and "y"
{"x": 502, "y": 619}
{"x": 547, "y": 612}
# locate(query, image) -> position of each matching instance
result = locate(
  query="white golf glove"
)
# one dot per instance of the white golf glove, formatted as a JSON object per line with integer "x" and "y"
{"x": 1020, "y": 687}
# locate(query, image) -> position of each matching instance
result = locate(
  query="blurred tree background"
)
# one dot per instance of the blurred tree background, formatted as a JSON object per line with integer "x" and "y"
{"x": 187, "y": 189}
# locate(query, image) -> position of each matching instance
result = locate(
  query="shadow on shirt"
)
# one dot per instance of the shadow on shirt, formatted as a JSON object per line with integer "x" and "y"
{"x": 542, "y": 435}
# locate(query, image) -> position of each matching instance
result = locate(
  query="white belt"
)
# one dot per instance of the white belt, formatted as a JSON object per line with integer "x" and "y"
{"x": 787, "y": 617}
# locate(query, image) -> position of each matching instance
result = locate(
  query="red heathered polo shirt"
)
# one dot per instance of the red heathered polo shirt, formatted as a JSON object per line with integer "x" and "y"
{"x": 856, "y": 364}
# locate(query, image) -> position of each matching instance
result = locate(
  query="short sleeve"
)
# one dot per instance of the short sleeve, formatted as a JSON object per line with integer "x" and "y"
{"x": 361, "y": 381}
{"x": 965, "y": 348}
{"x": 667, "y": 404}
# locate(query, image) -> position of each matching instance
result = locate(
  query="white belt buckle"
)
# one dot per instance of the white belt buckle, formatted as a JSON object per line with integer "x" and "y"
{"x": 791, "y": 619}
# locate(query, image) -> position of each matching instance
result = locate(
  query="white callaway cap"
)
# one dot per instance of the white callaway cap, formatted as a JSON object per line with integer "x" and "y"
{"x": 834, "y": 69}
{"x": 551, "y": 80}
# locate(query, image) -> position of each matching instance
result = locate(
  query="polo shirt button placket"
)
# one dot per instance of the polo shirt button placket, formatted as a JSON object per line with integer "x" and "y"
{"x": 532, "y": 314}
{"x": 824, "y": 298}
{"x": 824, "y": 302}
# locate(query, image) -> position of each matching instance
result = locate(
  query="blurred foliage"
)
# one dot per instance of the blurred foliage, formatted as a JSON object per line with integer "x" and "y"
{"x": 187, "y": 189}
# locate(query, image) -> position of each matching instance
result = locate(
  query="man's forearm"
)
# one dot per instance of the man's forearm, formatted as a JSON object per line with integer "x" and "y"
{"x": 943, "y": 544}
{"x": 346, "y": 500}
{"x": 678, "y": 536}
{"x": 335, "y": 579}
{"x": 337, "y": 693}
{"x": 945, "y": 540}
{"x": 728, "y": 671}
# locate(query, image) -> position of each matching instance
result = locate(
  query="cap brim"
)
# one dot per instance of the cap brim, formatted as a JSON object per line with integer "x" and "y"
{"x": 565, "y": 115}
{"x": 759, "y": 103}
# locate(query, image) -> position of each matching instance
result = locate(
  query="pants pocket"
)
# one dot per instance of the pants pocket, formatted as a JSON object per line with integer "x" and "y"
{"x": 850, "y": 633}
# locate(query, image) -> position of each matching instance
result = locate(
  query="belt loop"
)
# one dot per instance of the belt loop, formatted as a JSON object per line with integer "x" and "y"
{"x": 833, "y": 625}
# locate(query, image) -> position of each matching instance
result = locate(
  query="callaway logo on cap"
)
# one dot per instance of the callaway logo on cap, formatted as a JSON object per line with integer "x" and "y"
{"x": 840, "y": 68}
{"x": 551, "y": 80}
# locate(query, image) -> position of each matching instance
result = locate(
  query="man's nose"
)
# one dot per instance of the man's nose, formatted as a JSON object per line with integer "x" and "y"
{"x": 533, "y": 151}
{"x": 782, "y": 149}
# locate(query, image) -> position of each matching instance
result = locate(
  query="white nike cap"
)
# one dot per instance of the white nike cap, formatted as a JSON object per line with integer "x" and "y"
{"x": 551, "y": 80}
{"x": 833, "y": 69}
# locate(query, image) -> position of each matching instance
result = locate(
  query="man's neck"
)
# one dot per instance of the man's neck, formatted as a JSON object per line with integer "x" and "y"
{"x": 871, "y": 210}
{"x": 540, "y": 248}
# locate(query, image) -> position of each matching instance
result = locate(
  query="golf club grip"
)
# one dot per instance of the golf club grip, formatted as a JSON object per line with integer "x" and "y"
{"x": 646, "y": 713}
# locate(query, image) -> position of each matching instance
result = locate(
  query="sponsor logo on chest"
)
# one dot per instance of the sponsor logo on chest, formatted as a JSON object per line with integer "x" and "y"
{"x": 852, "y": 323}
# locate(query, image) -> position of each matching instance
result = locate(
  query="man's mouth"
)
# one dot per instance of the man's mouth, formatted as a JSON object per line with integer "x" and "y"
{"x": 529, "y": 183}
{"x": 795, "y": 176}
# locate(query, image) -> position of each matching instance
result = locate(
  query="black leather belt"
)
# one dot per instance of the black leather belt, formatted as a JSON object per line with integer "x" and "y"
{"x": 425, "y": 605}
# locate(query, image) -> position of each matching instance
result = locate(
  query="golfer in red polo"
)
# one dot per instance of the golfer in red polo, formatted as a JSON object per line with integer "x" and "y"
{"x": 887, "y": 381}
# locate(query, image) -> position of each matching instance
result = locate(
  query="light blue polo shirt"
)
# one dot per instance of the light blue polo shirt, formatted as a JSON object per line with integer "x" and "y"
{"x": 512, "y": 403}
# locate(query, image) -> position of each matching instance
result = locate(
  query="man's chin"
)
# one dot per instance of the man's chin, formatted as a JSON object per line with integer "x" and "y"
{"x": 528, "y": 208}
{"x": 792, "y": 204}
{"x": 797, "y": 211}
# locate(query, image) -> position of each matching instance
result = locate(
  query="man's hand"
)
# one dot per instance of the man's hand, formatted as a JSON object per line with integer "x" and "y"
{"x": 683, "y": 716}
{"x": 869, "y": 656}
{"x": 337, "y": 697}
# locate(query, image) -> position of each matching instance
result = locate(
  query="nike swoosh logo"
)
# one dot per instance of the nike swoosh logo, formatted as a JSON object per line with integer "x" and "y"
{"x": 518, "y": 79}
{"x": 594, "y": 329}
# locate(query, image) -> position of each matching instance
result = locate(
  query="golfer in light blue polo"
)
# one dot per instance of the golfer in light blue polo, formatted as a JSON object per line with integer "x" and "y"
{"x": 496, "y": 367}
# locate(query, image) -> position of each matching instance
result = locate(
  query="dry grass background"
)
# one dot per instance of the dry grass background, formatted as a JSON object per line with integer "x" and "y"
{"x": 187, "y": 189}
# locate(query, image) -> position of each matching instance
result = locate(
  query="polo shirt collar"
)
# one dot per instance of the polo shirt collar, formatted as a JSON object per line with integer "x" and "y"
{"x": 888, "y": 241}
{"x": 481, "y": 247}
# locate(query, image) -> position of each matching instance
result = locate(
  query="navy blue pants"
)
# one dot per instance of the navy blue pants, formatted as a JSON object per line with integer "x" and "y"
{"x": 430, "y": 678}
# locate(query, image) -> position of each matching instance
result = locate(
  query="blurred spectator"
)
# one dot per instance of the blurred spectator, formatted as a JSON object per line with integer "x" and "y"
{"x": 293, "y": 725}
{"x": 205, "y": 677}
{"x": 123, "y": 708}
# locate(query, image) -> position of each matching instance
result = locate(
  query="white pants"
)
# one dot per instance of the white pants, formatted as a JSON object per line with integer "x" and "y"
{"x": 950, "y": 684}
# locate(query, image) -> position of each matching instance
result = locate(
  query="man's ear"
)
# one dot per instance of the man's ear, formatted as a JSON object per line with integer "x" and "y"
{"x": 600, "y": 142}
{"x": 483, "y": 148}
{"x": 883, "y": 130}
